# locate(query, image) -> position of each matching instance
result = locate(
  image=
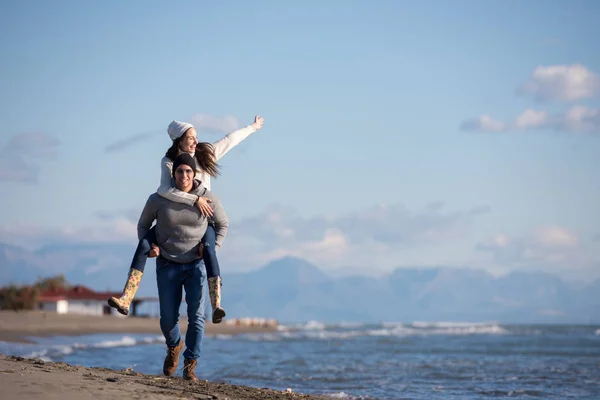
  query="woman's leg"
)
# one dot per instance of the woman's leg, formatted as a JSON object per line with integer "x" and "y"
{"x": 209, "y": 255}
{"x": 141, "y": 252}
{"x": 134, "y": 277}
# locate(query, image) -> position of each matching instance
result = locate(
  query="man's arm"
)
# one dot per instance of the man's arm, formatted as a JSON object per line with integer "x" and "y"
{"x": 147, "y": 217}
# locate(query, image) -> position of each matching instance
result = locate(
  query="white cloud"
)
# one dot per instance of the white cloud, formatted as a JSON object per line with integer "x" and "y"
{"x": 483, "y": 123}
{"x": 131, "y": 140}
{"x": 552, "y": 247}
{"x": 227, "y": 123}
{"x": 581, "y": 118}
{"x": 531, "y": 119}
{"x": 555, "y": 237}
{"x": 118, "y": 230}
{"x": 377, "y": 238}
{"x": 576, "y": 119}
{"x": 201, "y": 121}
{"x": 561, "y": 83}
{"x": 20, "y": 158}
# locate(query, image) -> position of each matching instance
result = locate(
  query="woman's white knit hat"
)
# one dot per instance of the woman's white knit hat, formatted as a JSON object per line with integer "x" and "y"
{"x": 177, "y": 129}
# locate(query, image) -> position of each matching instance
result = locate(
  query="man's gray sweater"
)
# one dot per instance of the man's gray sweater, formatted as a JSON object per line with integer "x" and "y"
{"x": 180, "y": 227}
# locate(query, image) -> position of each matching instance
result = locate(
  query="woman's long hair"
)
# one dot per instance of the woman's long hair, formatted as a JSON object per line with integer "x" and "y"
{"x": 205, "y": 156}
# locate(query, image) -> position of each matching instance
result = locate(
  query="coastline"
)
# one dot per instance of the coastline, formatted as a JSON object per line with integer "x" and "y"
{"x": 34, "y": 379}
{"x": 22, "y": 325}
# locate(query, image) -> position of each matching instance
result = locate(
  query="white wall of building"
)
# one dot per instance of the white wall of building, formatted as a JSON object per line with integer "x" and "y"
{"x": 59, "y": 307}
{"x": 62, "y": 306}
{"x": 86, "y": 307}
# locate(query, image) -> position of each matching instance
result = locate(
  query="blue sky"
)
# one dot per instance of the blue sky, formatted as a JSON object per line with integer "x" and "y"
{"x": 375, "y": 151}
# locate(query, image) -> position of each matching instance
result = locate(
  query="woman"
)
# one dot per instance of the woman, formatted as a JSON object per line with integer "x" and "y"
{"x": 185, "y": 140}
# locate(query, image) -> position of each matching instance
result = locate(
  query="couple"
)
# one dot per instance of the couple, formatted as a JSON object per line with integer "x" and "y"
{"x": 190, "y": 224}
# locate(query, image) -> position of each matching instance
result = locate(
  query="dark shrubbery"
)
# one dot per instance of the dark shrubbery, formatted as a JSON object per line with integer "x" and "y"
{"x": 25, "y": 297}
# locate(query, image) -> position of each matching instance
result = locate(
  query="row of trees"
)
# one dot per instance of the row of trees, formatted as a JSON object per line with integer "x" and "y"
{"x": 25, "y": 297}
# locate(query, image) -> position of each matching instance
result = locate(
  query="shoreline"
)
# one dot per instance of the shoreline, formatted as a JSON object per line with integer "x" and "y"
{"x": 23, "y": 326}
{"x": 35, "y": 379}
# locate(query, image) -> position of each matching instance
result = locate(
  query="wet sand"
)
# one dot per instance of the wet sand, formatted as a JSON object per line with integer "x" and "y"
{"x": 36, "y": 380}
{"x": 18, "y": 326}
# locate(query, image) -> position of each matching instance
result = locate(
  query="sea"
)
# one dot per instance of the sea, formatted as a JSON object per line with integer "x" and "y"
{"x": 418, "y": 360}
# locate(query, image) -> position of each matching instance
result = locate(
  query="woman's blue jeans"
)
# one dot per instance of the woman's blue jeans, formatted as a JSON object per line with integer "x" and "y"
{"x": 171, "y": 278}
{"x": 209, "y": 255}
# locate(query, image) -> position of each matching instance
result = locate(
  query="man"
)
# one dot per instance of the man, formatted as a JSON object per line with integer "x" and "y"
{"x": 179, "y": 230}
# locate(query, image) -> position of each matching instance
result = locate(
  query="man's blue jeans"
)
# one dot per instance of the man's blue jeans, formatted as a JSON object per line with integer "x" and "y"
{"x": 171, "y": 278}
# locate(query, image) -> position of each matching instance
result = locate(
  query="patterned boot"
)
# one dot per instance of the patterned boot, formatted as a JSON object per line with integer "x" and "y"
{"x": 131, "y": 286}
{"x": 214, "y": 289}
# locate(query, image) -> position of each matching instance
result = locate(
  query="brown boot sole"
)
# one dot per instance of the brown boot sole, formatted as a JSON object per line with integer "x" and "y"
{"x": 218, "y": 315}
{"x": 118, "y": 307}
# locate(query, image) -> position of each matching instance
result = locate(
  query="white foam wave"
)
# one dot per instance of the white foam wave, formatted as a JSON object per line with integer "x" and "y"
{"x": 340, "y": 395}
{"x": 319, "y": 331}
{"x": 313, "y": 326}
{"x": 319, "y": 326}
{"x": 389, "y": 329}
{"x": 223, "y": 336}
{"x": 443, "y": 324}
{"x": 124, "y": 341}
{"x": 53, "y": 352}
{"x": 350, "y": 325}
{"x": 442, "y": 329}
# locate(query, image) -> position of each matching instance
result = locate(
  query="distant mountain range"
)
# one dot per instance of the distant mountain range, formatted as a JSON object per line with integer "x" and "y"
{"x": 293, "y": 290}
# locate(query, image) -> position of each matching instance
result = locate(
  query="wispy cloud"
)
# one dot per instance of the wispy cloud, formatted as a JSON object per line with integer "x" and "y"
{"x": 550, "y": 246}
{"x": 378, "y": 237}
{"x": 375, "y": 238}
{"x": 559, "y": 83}
{"x": 119, "y": 230}
{"x": 129, "y": 141}
{"x": 131, "y": 214}
{"x": 20, "y": 158}
{"x": 204, "y": 123}
{"x": 563, "y": 83}
{"x": 387, "y": 224}
{"x": 211, "y": 123}
{"x": 576, "y": 119}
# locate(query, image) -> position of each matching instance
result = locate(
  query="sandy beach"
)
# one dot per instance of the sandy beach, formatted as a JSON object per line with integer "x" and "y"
{"x": 18, "y": 326}
{"x": 33, "y": 379}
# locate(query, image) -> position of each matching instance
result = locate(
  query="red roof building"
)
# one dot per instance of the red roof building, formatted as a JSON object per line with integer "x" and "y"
{"x": 82, "y": 300}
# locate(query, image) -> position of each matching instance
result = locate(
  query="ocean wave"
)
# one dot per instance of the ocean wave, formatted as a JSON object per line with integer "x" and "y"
{"x": 52, "y": 352}
{"x": 318, "y": 330}
{"x": 442, "y": 324}
{"x": 432, "y": 329}
{"x": 345, "y": 396}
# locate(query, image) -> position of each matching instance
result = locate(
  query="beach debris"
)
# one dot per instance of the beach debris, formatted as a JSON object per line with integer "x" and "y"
{"x": 112, "y": 379}
{"x": 205, "y": 397}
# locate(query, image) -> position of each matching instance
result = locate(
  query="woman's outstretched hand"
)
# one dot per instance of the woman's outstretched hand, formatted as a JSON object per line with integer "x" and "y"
{"x": 203, "y": 205}
{"x": 258, "y": 122}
